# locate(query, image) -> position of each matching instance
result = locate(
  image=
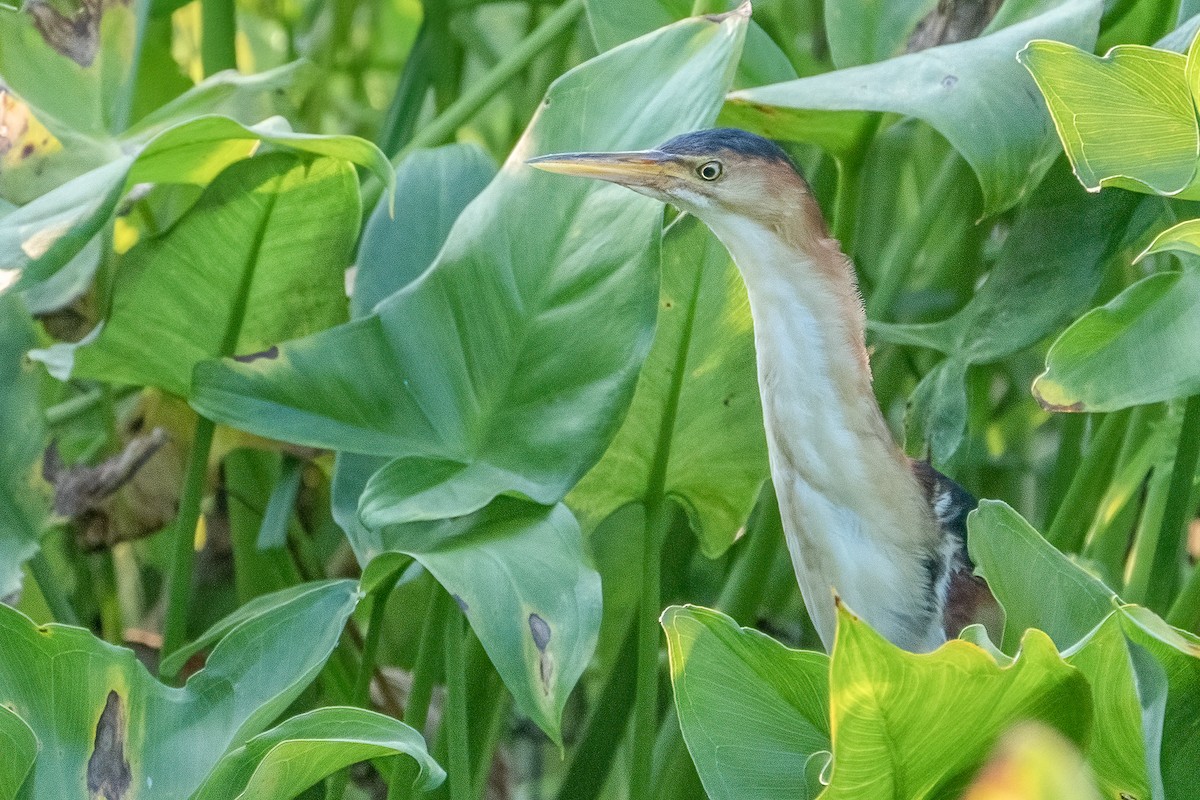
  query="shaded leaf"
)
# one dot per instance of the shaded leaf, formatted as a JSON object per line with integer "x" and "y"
{"x": 700, "y": 381}
{"x": 754, "y": 714}
{"x": 100, "y": 716}
{"x": 1021, "y": 568}
{"x": 301, "y": 751}
{"x": 224, "y": 280}
{"x": 20, "y": 747}
{"x": 866, "y": 32}
{"x": 557, "y": 276}
{"x": 520, "y": 574}
{"x": 908, "y": 725}
{"x": 972, "y": 92}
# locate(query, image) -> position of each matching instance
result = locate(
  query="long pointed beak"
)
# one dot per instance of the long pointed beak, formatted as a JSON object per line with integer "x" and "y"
{"x": 638, "y": 168}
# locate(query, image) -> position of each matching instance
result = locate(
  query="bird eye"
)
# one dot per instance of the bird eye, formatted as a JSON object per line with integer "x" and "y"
{"x": 710, "y": 170}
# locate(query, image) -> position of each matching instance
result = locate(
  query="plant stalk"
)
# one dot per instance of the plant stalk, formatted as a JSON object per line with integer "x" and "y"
{"x": 1070, "y": 523}
{"x": 123, "y": 108}
{"x": 645, "y": 720}
{"x": 1172, "y": 534}
{"x": 179, "y": 580}
{"x": 57, "y": 600}
{"x": 416, "y": 707}
{"x": 454, "y": 723}
{"x": 218, "y": 32}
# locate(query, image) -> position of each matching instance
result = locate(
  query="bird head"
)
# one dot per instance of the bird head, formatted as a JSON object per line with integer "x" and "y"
{"x": 710, "y": 174}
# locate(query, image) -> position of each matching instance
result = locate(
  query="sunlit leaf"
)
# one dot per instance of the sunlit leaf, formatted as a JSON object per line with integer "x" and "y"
{"x": 100, "y": 716}
{"x": 1127, "y": 119}
{"x": 754, "y": 714}
{"x": 20, "y": 747}
{"x": 908, "y": 725}
{"x": 974, "y": 93}
{"x": 699, "y": 380}
{"x": 1037, "y": 585}
{"x": 299, "y": 752}
{"x": 225, "y": 279}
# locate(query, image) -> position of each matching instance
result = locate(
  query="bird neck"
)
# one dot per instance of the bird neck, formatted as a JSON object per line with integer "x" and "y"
{"x": 853, "y": 512}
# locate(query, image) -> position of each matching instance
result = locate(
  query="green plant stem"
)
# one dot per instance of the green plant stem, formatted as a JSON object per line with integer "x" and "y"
{"x": 179, "y": 579}
{"x": 454, "y": 723}
{"x": 645, "y": 720}
{"x": 442, "y": 128}
{"x": 899, "y": 260}
{"x": 1073, "y": 517}
{"x": 416, "y": 707}
{"x": 707, "y": 7}
{"x": 1146, "y": 542}
{"x": 1066, "y": 461}
{"x": 123, "y": 108}
{"x": 401, "y": 120}
{"x": 218, "y": 50}
{"x": 1171, "y": 537}
{"x": 1185, "y": 611}
{"x": 743, "y": 591}
{"x": 57, "y": 600}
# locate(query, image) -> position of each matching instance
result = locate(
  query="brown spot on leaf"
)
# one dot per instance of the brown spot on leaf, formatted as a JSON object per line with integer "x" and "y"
{"x": 27, "y": 150}
{"x": 270, "y": 352}
{"x": 75, "y": 33}
{"x": 546, "y": 671}
{"x": 108, "y": 774}
{"x": 540, "y": 630}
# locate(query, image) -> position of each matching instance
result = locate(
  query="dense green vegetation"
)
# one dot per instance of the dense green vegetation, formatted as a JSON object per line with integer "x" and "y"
{"x": 332, "y": 434}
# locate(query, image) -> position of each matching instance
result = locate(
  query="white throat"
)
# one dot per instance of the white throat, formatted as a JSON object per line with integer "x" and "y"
{"x": 855, "y": 518}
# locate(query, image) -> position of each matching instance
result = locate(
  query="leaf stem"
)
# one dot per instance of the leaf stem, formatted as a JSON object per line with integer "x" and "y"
{"x": 123, "y": 108}
{"x": 52, "y": 593}
{"x": 416, "y": 707}
{"x": 179, "y": 580}
{"x": 218, "y": 31}
{"x": 1070, "y": 522}
{"x": 645, "y": 720}
{"x": 454, "y": 723}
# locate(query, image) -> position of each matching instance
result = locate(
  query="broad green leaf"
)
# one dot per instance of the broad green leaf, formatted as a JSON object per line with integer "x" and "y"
{"x": 1033, "y": 762}
{"x": 87, "y": 47}
{"x": 1117, "y": 750}
{"x": 696, "y": 408}
{"x": 432, "y": 189}
{"x": 1138, "y": 348}
{"x": 520, "y": 574}
{"x": 1037, "y": 585}
{"x": 973, "y": 93}
{"x": 518, "y": 349}
{"x": 908, "y": 725}
{"x": 20, "y": 747}
{"x": 863, "y": 32}
{"x": 1126, "y": 119}
{"x": 1173, "y": 668}
{"x": 295, "y": 755}
{"x": 225, "y": 280}
{"x": 100, "y": 716}
{"x": 1049, "y": 267}
{"x": 23, "y": 499}
{"x": 754, "y": 714}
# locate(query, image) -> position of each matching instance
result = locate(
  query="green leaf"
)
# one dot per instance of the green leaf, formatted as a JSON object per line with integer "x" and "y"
{"x": 972, "y": 92}
{"x": 224, "y": 279}
{"x": 520, "y": 574}
{"x": 1037, "y": 586}
{"x": 1138, "y": 348}
{"x": 1126, "y": 119}
{"x": 98, "y": 713}
{"x": 295, "y": 755}
{"x": 558, "y": 278}
{"x": 907, "y": 725}
{"x": 20, "y": 748}
{"x": 754, "y": 714}
{"x": 864, "y": 32}
{"x": 1167, "y": 660}
{"x": 696, "y": 408}
{"x": 23, "y": 499}
{"x": 1117, "y": 750}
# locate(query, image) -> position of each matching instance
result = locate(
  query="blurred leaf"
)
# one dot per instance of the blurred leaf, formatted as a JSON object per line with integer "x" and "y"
{"x": 696, "y": 408}
{"x": 1033, "y": 762}
{"x": 863, "y": 32}
{"x": 86, "y": 46}
{"x": 24, "y": 503}
{"x": 972, "y": 92}
{"x": 224, "y": 280}
{"x": 1117, "y": 750}
{"x": 1021, "y": 568}
{"x": 102, "y": 720}
{"x": 301, "y": 751}
{"x": 908, "y": 725}
{"x": 35, "y": 159}
{"x": 1167, "y": 661}
{"x": 520, "y": 574}
{"x": 20, "y": 748}
{"x": 517, "y": 351}
{"x": 1126, "y": 119}
{"x": 754, "y": 714}
{"x": 1138, "y": 348}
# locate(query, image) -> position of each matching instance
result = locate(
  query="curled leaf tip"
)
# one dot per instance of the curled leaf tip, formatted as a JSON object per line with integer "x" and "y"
{"x": 1053, "y": 397}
